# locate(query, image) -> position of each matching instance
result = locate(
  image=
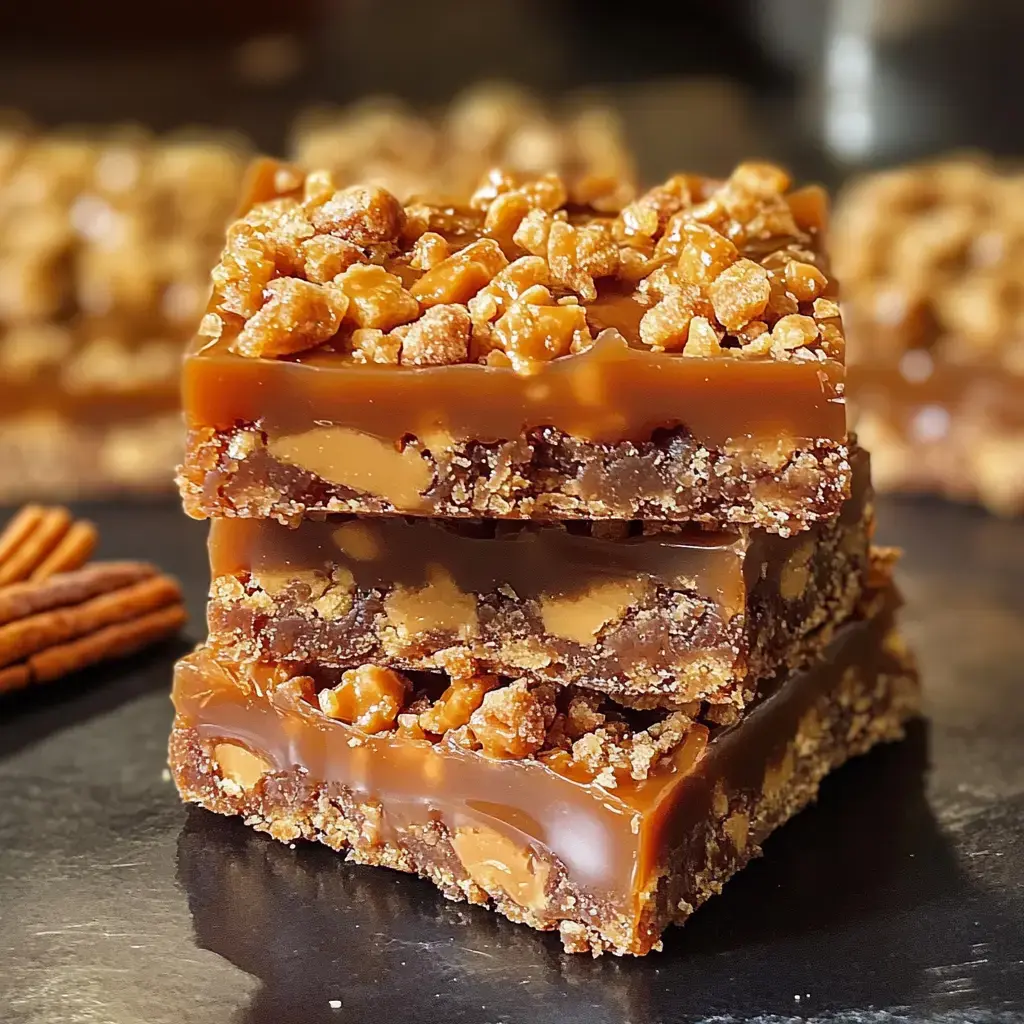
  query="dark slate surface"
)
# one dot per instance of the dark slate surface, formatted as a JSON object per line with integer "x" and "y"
{"x": 899, "y": 897}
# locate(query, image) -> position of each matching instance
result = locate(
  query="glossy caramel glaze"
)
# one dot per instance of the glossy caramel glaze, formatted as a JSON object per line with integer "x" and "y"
{"x": 610, "y": 393}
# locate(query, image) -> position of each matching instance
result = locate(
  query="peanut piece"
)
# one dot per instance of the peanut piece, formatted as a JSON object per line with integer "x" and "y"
{"x": 458, "y": 278}
{"x": 376, "y": 298}
{"x": 439, "y": 338}
{"x": 369, "y": 697}
{"x": 511, "y": 721}
{"x": 456, "y": 704}
{"x": 740, "y": 294}
{"x": 362, "y": 215}
{"x": 296, "y": 316}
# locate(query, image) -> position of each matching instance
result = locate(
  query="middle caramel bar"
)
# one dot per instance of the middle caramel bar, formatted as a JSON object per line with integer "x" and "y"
{"x": 644, "y": 612}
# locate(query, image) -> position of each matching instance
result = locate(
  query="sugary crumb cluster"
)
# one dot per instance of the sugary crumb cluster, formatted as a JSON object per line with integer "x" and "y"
{"x": 530, "y": 270}
{"x": 931, "y": 258}
{"x": 507, "y": 719}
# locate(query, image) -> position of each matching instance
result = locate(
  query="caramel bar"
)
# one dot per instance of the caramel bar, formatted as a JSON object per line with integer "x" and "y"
{"x": 663, "y": 615}
{"x": 552, "y": 806}
{"x": 106, "y": 242}
{"x": 530, "y": 355}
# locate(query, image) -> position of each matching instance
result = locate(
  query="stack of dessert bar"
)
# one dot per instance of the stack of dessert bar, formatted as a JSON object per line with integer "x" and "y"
{"x": 540, "y": 551}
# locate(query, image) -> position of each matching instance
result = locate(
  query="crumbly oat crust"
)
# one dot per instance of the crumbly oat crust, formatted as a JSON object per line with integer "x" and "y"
{"x": 545, "y": 474}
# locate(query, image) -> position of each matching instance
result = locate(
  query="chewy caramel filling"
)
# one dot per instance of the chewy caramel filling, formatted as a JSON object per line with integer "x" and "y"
{"x": 432, "y": 569}
{"x": 346, "y": 423}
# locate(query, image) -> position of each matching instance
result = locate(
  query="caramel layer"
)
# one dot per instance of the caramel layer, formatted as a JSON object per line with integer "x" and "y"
{"x": 610, "y": 393}
{"x": 533, "y": 821}
{"x": 534, "y": 561}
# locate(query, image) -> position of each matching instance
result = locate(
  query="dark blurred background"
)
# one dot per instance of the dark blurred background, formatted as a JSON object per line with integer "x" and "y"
{"x": 828, "y": 85}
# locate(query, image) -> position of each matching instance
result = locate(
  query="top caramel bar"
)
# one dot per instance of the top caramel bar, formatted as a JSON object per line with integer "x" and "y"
{"x": 541, "y": 351}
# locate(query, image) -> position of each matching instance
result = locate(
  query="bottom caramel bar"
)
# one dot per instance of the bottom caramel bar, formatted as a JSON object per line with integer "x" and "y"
{"x": 607, "y": 849}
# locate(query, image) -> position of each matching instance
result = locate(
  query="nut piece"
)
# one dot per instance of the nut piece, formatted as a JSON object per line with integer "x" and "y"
{"x": 577, "y": 255}
{"x": 666, "y": 325}
{"x": 505, "y": 213}
{"x": 534, "y": 332}
{"x": 370, "y": 345}
{"x": 462, "y": 275}
{"x": 512, "y": 721}
{"x": 507, "y": 286}
{"x": 239, "y": 766}
{"x": 533, "y": 232}
{"x": 702, "y": 341}
{"x": 825, "y": 308}
{"x": 455, "y": 706}
{"x": 793, "y": 332}
{"x": 326, "y": 256}
{"x": 376, "y": 298}
{"x": 336, "y": 600}
{"x": 439, "y": 338}
{"x": 369, "y": 697}
{"x": 705, "y": 254}
{"x": 296, "y": 316}
{"x": 740, "y": 294}
{"x": 363, "y": 215}
{"x": 244, "y": 271}
{"x": 804, "y": 280}
{"x": 428, "y": 251}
